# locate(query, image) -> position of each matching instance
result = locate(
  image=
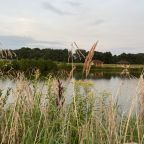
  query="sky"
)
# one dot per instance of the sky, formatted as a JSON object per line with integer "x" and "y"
{"x": 118, "y": 25}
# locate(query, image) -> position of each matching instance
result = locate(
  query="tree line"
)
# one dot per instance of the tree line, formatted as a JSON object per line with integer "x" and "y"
{"x": 63, "y": 55}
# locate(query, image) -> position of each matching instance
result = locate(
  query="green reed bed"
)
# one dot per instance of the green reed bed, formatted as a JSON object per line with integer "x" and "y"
{"x": 45, "y": 116}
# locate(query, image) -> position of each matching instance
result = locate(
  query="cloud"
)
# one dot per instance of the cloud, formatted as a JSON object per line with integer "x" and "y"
{"x": 13, "y": 42}
{"x": 50, "y": 44}
{"x": 98, "y": 22}
{"x": 126, "y": 50}
{"x": 54, "y": 9}
{"x": 74, "y": 4}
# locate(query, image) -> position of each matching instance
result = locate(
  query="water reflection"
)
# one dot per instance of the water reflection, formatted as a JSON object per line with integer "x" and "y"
{"x": 106, "y": 75}
{"x": 122, "y": 90}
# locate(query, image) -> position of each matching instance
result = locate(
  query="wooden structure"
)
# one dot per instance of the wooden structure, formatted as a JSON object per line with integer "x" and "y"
{"x": 98, "y": 63}
{"x": 124, "y": 63}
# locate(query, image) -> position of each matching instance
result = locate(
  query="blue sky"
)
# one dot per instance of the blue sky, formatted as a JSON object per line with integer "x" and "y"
{"x": 117, "y": 24}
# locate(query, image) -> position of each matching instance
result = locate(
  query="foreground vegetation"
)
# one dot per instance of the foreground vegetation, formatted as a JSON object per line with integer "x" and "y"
{"x": 47, "y": 115}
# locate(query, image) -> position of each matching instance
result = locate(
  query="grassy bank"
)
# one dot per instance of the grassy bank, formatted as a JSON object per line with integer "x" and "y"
{"x": 46, "y": 66}
{"x": 45, "y": 116}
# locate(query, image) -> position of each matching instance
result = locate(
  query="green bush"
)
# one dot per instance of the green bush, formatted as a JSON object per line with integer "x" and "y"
{"x": 29, "y": 65}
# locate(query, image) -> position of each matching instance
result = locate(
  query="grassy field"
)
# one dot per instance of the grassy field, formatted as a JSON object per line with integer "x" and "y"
{"x": 110, "y": 69}
{"x": 113, "y": 65}
{"x": 46, "y": 117}
{"x": 45, "y": 67}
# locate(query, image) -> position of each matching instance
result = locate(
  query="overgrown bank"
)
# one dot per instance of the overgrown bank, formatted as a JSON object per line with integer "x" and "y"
{"x": 46, "y": 66}
{"x": 39, "y": 115}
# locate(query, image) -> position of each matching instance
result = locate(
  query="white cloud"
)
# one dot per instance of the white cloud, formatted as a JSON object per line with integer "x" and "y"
{"x": 115, "y": 23}
{"x": 20, "y": 41}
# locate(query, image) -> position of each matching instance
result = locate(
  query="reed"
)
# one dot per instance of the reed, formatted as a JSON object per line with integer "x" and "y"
{"x": 44, "y": 115}
{"x": 88, "y": 59}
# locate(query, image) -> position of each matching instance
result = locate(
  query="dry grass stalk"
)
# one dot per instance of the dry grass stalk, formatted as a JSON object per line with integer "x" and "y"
{"x": 1, "y": 54}
{"x": 70, "y": 75}
{"x": 24, "y": 91}
{"x": 60, "y": 99}
{"x": 141, "y": 101}
{"x": 131, "y": 143}
{"x": 13, "y": 54}
{"x": 37, "y": 73}
{"x": 79, "y": 51}
{"x": 69, "y": 55}
{"x": 10, "y": 54}
{"x": 6, "y": 54}
{"x": 88, "y": 60}
{"x": 14, "y": 128}
{"x": 112, "y": 126}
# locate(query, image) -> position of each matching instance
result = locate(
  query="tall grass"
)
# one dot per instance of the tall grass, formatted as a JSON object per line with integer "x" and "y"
{"x": 45, "y": 116}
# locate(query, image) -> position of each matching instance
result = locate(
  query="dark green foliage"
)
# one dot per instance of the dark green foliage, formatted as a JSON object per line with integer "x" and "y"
{"x": 42, "y": 65}
{"x": 46, "y": 54}
{"x": 61, "y": 55}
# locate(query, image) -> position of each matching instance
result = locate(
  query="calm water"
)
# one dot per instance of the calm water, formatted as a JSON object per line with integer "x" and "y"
{"x": 122, "y": 90}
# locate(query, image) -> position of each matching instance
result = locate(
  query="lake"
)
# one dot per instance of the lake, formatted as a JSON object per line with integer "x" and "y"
{"x": 123, "y": 90}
